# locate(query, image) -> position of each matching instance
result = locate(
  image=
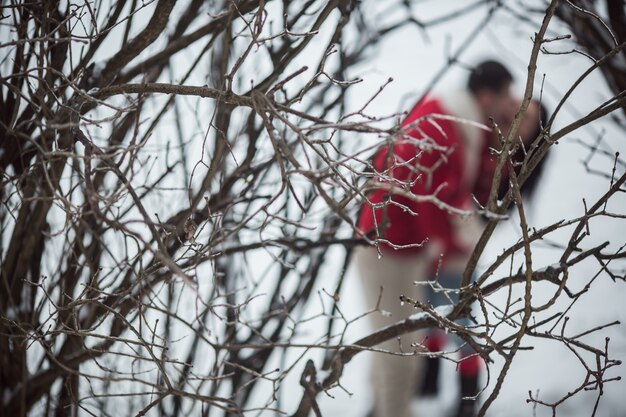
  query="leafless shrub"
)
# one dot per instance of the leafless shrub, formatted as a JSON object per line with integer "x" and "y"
{"x": 175, "y": 179}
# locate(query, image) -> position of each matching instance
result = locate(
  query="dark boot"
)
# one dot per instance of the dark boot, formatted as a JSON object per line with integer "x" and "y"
{"x": 469, "y": 388}
{"x": 430, "y": 383}
{"x": 467, "y": 408}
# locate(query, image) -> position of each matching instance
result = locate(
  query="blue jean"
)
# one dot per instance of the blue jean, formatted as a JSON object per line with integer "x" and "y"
{"x": 450, "y": 282}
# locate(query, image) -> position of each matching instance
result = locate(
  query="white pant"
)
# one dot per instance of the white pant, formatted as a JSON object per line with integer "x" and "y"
{"x": 393, "y": 378}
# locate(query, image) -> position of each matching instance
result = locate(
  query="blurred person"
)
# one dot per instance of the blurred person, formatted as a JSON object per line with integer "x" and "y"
{"x": 449, "y": 278}
{"x": 438, "y": 155}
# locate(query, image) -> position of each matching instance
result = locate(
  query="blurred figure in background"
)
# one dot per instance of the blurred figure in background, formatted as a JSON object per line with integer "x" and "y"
{"x": 439, "y": 155}
{"x": 448, "y": 279}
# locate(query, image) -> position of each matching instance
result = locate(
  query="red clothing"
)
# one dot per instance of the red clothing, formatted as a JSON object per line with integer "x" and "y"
{"x": 398, "y": 225}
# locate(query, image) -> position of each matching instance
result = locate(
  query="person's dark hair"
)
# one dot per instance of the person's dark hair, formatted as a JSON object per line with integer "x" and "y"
{"x": 489, "y": 75}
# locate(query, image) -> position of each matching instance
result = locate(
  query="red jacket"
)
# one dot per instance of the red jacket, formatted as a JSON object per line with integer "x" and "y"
{"x": 459, "y": 165}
